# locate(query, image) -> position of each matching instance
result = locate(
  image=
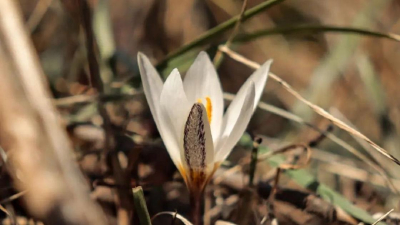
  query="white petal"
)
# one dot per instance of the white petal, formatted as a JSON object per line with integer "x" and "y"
{"x": 259, "y": 78}
{"x": 202, "y": 81}
{"x": 229, "y": 141}
{"x": 169, "y": 137}
{"x": 174, "y": 110}
{"x": 152, "y": 84}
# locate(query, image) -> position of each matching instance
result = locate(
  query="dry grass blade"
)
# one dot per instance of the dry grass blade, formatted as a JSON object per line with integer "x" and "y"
{"x": 218, "y": 56}
{"x": 174, "y": 215}
{"x": 289, "y": 148}
{"x": 85, "y": 99}
{"x": 13, "y": 197}
{"x": 383, "y": 217}
{"x": 353, "y": 172}
{"x": 316, "y": 108}
{"x": 220, "y": 222}
{"x": 75, "y": 99}
{"x": 38, "y": 13}
{"x": 331, "y": 136}
{"x": 361, "y": 142}
{"x": 4, "y": 210}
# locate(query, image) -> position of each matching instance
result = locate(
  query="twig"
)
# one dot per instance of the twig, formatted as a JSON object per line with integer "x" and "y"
{"x": 13, "y": 197}
{"x": 75, "y": 99}
{"x": 383, "y": 217}
{"x": 315, "y": 142}
{"x": 11, "y": 214}
{"x": 5, "y": 211}
{"x": 37, "y": 14}
{"x": 174, "y": 215}
{"x": 275, "y": 187}
{"x": 316, "y": 108}
{"x": 174, "y": 218}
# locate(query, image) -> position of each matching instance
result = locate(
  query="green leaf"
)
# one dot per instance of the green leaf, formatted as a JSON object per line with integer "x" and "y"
{"x": 305, "y": 179}
{"x": 140, "y": 206}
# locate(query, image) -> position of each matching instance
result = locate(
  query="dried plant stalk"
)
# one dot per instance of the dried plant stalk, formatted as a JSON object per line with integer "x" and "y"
{"x": 314, "y": 107}
{"x": 40, "y": 154}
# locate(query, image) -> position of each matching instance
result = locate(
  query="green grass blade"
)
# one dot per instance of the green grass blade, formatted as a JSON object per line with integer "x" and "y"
{"x": 305, "y": 179}
{"x": 185, "y": 55}
{"x": 140, "y": 206}
{"x": 218, "y": 30}
{"x": 310, "y": 28}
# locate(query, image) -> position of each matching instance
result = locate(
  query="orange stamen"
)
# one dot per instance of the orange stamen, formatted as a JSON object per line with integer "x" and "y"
{"x": 208, "y": 107}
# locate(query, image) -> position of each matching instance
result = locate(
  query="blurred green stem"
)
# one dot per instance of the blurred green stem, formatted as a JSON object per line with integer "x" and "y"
{"x": 254, "y": 157}
{"x": 313, "y": 28}
{"x": 140, "y": 206}
{"x": 221, "y": 28}
{"x": 102, "y": 28}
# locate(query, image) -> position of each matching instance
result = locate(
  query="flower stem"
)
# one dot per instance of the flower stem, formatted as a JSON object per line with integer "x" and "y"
{"x": 196, "y": 203}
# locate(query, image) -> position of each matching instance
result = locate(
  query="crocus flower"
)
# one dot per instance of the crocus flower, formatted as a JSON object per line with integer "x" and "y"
{"x": 190, "y": 115}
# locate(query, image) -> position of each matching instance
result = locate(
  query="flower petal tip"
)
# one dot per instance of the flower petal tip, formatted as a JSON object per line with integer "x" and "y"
{"x": 140, "y": 54}
{"x": 174, "y": 72}
{"x": 270, "y": 61}
{"x": 173, "y": 78}
{"x": 203, "y": 53}
{"x": 267, "y": 65}
{"x": 143, "y": 61}
{"x": 203, "y": 59}
{"x": 141, "y": 57}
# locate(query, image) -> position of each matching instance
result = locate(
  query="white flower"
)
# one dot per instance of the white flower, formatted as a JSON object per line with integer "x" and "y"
{"x": 190, "y": 115}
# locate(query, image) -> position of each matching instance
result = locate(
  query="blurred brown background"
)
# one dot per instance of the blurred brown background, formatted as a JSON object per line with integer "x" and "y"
{"x": 355, "y": 77}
